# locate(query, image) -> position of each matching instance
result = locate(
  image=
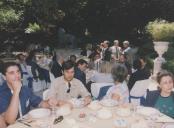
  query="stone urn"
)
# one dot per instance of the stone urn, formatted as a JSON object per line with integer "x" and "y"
{"x": 160, "y": 47}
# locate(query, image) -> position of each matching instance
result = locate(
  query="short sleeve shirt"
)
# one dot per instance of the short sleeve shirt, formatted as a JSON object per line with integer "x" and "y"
{"x": 27, "y": 99}
{"x": 59, "y": 89}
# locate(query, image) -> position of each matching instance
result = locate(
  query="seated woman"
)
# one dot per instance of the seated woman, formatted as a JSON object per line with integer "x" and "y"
{"x": 119, "y": 92}
{"x": 104, "y": 75}
{"x": 163, "y": 98}
{"x": 2, "y": 122}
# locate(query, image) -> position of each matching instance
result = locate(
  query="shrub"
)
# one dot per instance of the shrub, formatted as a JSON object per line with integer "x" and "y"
{"x": 161, "y": 30}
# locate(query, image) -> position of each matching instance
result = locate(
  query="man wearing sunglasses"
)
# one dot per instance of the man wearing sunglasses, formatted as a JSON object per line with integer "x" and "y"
{"x": 67, "y": 87}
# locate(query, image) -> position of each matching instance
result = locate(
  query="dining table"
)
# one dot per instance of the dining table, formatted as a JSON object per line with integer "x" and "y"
{"x": 92, "y": 120}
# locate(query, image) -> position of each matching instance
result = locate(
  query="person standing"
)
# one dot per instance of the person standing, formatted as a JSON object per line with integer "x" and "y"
{"x": 106, "y": 51}
{"x": 116, "y": 50}
{"x": 56, "y": 68}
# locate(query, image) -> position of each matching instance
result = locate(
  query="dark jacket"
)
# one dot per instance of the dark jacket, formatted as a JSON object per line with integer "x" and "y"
{"x": 138, "y": 75}
{"x": 34, "y": 69}
{"x": 56, "y": 69}
{"x": 80, "y": 75}
{"x": 107, "y": 55}
{"x": 152, "y": 97}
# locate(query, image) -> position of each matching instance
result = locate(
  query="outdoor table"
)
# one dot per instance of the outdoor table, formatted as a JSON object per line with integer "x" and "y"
{"x": 91, "y": 121}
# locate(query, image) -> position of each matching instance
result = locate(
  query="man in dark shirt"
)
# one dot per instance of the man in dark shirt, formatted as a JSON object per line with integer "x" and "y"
{"x": 80, "y": 71}
{"x": 56, "y": 67}
{"x": 106, "y": 51}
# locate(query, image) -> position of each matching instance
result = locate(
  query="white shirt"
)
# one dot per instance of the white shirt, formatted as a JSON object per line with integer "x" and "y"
{"x": 126, "y": 50}
{"x": 102, "y": 78}
{"x": 120, "y": 89}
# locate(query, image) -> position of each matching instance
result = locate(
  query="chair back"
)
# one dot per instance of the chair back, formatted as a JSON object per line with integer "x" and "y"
{"x": 136, "y": 100}
{"x": 103, "y": 91}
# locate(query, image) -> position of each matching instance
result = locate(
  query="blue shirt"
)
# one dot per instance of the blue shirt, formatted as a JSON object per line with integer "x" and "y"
{"x": 27, "y": 98}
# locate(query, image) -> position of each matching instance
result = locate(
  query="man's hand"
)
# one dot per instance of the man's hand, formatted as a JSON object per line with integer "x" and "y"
{"x": 87, "y": 100}
{"x": 16, "y": 86}
{"x": 52, "y": 102}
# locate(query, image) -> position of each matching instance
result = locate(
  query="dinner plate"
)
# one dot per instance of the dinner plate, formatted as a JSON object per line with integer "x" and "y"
{"x": 120, "y": 123}
{"x": 164, "y": 119}
{"x": 168, "y": 126}
{"x": 39, "y": 113}
{"x": 147, "y": 111}
{"x": 108, "y": 102}
{"x": 64, "y": 110}
{"x": 124, "y": 112}
{"x": 94, "y": 105}
{"x": 77, "y": 103}
{"x": 104, "y": 114}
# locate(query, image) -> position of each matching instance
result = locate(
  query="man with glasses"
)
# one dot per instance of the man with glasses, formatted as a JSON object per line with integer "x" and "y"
{"x": 67, "y": 87}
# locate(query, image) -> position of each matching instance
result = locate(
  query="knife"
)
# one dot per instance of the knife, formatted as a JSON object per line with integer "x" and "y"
{"x": 20, "y": 121}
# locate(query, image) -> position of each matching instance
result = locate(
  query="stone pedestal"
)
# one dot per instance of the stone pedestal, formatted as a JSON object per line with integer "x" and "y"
{"x": 160, "y": 48}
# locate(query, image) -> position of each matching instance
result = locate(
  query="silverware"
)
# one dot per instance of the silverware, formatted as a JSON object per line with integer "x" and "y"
{"x": 20, "y": 121}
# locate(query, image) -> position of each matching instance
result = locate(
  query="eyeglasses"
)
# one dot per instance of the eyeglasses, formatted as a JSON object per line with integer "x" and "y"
{"x": 57, "y": 120}
{"x": 69, "y": 87}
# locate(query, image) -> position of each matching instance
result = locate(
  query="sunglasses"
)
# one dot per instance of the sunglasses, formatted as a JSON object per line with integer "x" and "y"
{"x": 69, "y": 87}
{"x": 57, "y": 120}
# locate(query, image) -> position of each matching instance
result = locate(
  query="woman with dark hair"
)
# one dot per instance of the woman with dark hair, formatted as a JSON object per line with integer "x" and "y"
{"x": 119, "y": 92}
{"x": 163, "y": 98}
{"x": 139, "y": 74}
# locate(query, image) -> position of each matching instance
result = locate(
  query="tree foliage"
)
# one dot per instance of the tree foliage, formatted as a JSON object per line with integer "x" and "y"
{"x": 105, "y": 19}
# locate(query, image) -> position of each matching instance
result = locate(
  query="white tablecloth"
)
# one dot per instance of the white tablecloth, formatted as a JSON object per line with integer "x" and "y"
{"x": 72, "y": 120}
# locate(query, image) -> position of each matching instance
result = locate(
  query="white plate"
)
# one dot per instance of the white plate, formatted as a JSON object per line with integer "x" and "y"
{"x": 168, "y": 126}
{"x": 64, "y": 110}
{"x": 108, "y": 102}
{"x": 147, "y": 111}
{"x": 124, "y": 112}
{"x": 121, "y": 123}
{"x": 39, "y": 113}
{"x": 94, "y": 105}
{"x": 104, "y": 114}
{"x": 164, "y": 119}
{"x": 139, "y": 124}
{"x": 77, "y": 103}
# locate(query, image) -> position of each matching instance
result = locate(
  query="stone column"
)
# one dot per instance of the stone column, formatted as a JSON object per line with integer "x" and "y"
{"x": 160, "y": 48}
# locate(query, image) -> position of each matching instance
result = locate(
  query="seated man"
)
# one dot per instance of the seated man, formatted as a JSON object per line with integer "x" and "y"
{"x": 15, "y": 99}
{"x": 2, "y": 122}
{"x": 80, "y": 71}
{"x": 66, "y": 87}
